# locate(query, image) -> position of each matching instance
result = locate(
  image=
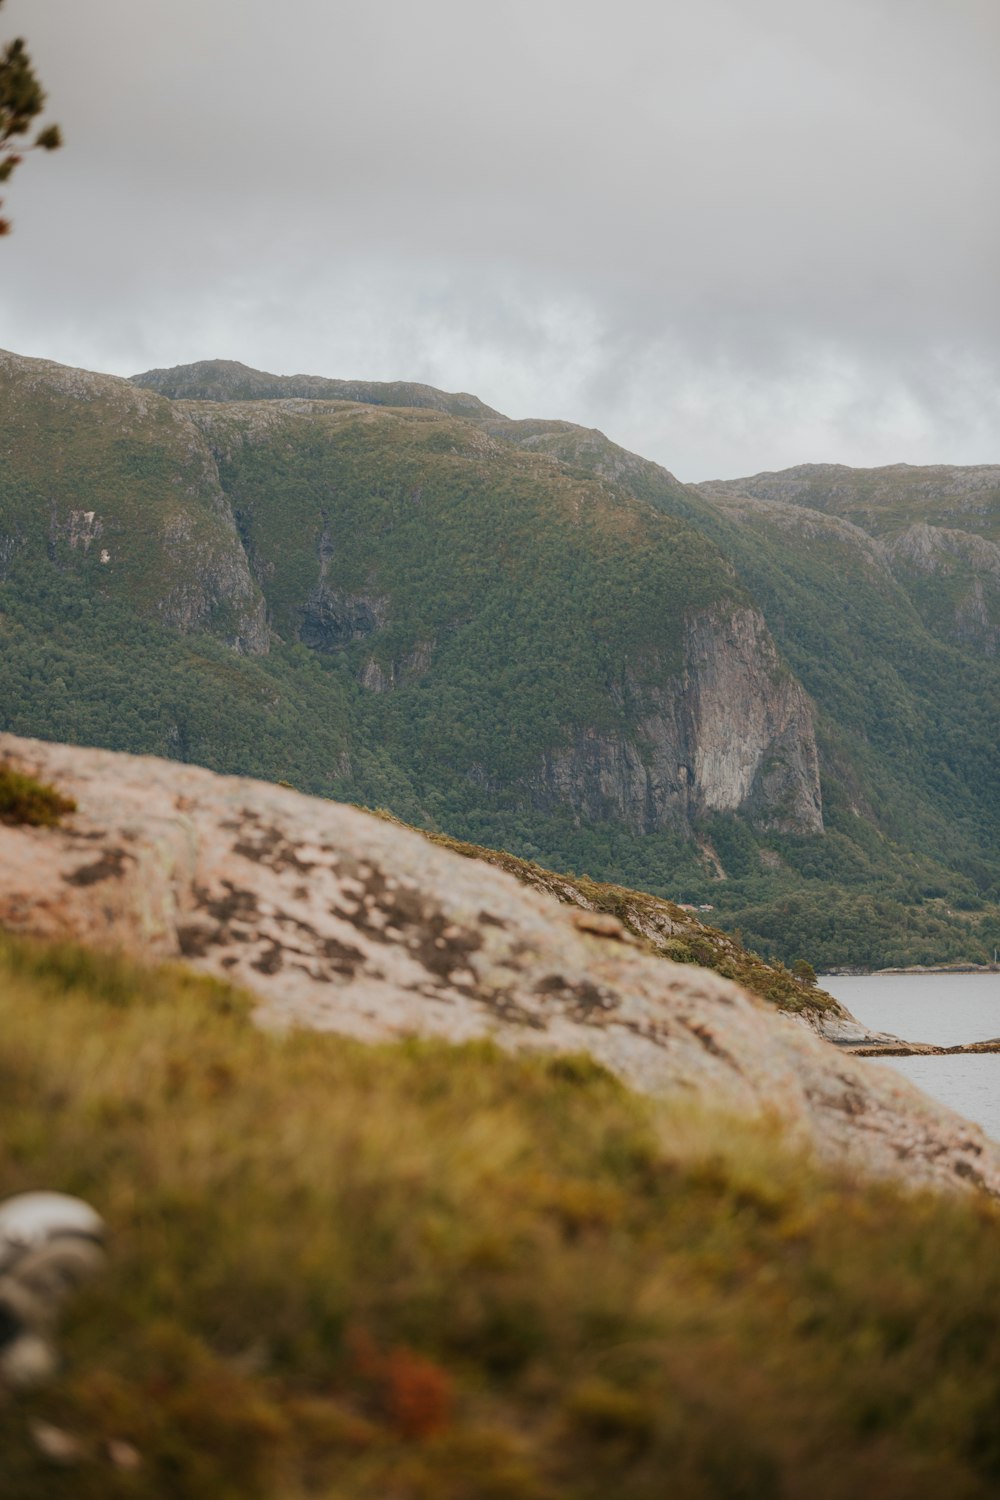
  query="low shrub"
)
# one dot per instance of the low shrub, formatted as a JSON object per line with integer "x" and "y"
{"x": 25, "y": 800}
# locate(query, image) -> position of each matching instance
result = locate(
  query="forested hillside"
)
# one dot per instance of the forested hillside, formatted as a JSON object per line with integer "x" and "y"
{"x": 518, "y": 634}
{"x": 892, "y": 630}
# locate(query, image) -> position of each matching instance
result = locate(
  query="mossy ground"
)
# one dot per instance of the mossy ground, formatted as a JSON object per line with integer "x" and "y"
{"x": 450, "y": 1274}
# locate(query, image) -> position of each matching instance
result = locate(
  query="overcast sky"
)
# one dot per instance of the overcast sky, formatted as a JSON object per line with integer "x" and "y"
{"x": 733, "y": 234}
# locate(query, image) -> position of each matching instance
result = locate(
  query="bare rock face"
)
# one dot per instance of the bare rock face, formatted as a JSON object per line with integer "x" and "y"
{"x": 734, "y": 732}
{"x": 752, "y": 727}
{"x": 339, "y": 921}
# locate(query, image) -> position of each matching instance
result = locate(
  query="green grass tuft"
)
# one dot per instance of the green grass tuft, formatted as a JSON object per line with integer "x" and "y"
{"x": 25, "y": 800}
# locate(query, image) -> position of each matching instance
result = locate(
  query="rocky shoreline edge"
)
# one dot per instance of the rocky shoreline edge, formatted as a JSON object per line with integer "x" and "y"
{"x": 850, "y": 1036}
{"x": 897, "y": 1047}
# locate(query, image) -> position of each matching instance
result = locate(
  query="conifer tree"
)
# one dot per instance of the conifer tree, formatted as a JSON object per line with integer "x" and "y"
{"x": 22, "y": 100}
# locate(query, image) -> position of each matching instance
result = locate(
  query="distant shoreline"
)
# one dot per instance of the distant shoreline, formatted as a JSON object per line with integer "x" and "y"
{"x": 851, "y": 972}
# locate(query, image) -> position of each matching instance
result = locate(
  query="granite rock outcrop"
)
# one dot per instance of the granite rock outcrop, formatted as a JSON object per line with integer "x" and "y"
{"x": 340, "y": 921}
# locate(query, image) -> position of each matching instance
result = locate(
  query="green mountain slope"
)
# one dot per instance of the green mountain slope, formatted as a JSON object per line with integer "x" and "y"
{"x": 512, "y": 637}
{"x": 515, "y": 632}
{"x": 908, "y": 701}
{"x": 115, "y": 486}
{"x": 885, "y": 502}
{"x": 938, "y": 530}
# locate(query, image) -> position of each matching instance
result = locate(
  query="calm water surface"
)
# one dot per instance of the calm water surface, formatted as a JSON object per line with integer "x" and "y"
{"x": 943, "y": 1008}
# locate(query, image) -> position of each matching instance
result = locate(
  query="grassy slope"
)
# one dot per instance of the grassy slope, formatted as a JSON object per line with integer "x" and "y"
{"x": 449, "y": 1274}
{"x": 228, "y": 380}
{"x": 956, "y": 589}
{"x": 78, "y": 667}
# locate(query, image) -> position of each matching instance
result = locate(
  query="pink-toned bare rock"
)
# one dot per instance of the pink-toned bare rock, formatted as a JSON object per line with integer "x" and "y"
{"x": 343, "y": 922}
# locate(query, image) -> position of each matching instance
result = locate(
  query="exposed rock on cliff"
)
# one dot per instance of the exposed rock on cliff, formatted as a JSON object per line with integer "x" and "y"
{"x": 734, "y": 732}
{"x": 340, "y": 921}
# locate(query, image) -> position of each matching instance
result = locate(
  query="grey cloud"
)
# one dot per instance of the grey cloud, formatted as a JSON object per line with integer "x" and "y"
{"x": 733, "y": 236}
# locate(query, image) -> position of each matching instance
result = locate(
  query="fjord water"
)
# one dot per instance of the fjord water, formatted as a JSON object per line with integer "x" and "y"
{"x": 944, "y": 1008}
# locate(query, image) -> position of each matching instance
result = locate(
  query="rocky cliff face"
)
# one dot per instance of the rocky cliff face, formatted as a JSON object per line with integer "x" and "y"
{"x": 343, "y": 922}
{"x": 732, "y": 733}
{"x": 751, "y": 725}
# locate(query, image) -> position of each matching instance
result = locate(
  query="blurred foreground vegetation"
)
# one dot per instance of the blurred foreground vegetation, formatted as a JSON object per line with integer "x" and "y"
{"x": 448, "y": 1274}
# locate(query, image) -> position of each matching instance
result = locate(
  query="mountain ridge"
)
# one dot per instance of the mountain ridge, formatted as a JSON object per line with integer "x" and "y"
{"x": 228, "y": 380}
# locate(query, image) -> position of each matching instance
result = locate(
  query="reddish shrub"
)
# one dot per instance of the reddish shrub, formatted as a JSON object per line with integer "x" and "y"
{"x": 418, "y": 1394}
